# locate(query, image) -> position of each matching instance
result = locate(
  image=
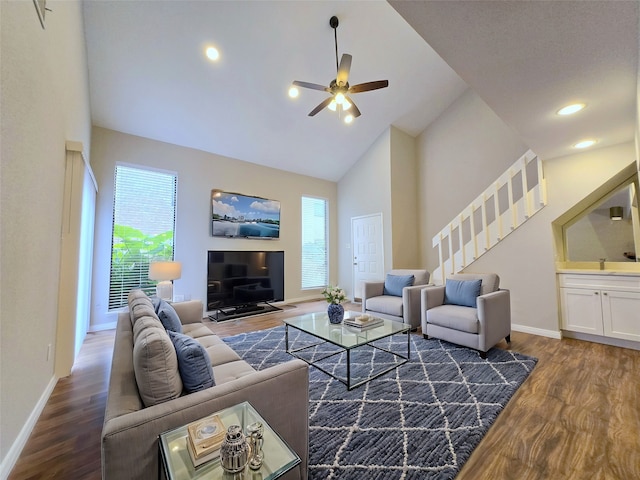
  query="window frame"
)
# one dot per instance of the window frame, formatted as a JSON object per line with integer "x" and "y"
{"x": 303, "y": 224}
{"x": 117, "y": 295}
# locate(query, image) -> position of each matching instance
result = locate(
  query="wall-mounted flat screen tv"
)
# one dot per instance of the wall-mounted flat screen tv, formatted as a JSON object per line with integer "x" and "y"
{"x": 236, "y": 215}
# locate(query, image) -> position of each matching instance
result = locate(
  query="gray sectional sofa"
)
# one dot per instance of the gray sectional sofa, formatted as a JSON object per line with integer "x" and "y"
{"x": 134, "y": 418}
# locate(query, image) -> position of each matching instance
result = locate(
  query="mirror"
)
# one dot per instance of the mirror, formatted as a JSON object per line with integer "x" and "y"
{"x": 597, "y": 233}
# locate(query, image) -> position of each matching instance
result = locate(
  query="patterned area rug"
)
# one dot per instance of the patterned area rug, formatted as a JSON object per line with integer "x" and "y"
{"x": 419, "y": 421}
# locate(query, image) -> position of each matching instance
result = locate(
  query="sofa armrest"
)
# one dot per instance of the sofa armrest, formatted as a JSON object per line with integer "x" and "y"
{"x": 411, "y": 301}
{"x": 494, "y": 315}
{"x": 371, "y": 289}
{"x": 279, "y": 393}
{"x": 190, "y": 311}
{"x": 431, "y": 296}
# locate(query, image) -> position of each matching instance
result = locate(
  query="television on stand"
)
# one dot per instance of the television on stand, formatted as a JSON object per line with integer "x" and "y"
{"x": 241, "y": 282}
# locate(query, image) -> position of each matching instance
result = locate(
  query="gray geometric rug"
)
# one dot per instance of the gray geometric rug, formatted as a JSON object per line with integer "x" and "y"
{"x": 419, "y": 421}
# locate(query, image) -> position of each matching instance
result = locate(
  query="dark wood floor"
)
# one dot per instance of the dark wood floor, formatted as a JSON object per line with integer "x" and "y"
{"x": 576, "y": 417}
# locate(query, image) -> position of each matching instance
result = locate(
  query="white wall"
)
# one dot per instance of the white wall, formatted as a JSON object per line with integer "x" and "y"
{"x": 44, "y": 102}
{"x": 198, "y": 173}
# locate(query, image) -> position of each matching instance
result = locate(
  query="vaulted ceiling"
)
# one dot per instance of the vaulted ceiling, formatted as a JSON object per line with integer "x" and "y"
{"x": 149, "y": 75}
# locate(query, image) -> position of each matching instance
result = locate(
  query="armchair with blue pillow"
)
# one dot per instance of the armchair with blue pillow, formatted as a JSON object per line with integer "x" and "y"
{"x": 470, "y": 310}
{"x": 397, "y": 297}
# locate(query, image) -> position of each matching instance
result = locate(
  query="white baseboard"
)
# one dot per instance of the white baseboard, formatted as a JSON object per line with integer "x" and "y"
{"x": 537, "y": 331}
{"x": 12, "y": 456}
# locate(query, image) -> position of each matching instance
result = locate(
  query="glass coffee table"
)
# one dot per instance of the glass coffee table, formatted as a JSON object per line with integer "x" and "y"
{"x": 279, "y": 458}
{"x": 359, "y": 345}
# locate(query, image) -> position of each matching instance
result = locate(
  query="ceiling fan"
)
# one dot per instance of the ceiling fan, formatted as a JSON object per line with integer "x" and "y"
{"x": 339, "y": 87}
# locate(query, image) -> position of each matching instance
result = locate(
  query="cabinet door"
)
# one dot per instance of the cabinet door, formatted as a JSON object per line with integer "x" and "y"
{"x": 621, "y": 314}
{"x": 581, "y": 310}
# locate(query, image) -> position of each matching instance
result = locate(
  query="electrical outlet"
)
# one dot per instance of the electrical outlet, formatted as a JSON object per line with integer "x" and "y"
{"x": 178, "y": 298}
{"x": 48, "y": 352}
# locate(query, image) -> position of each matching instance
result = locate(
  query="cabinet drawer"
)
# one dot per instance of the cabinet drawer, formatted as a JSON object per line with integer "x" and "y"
{"x": 625, "y": 283}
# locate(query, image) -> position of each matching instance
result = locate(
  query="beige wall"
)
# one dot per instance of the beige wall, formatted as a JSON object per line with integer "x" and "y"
{"x": 364, "y": 190}
{"x": 404, "y": 201}
{"x": 199, "y": 172}
{"x": 45, "y": 101}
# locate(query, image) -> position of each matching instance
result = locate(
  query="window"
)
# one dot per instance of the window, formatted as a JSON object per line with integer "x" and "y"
{"x": 314, "y": 243}
{"x": 144, "y": 213}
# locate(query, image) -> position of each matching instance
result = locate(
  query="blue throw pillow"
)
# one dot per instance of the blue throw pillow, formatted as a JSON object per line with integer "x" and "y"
{"x": 167, "y": 315}
{"x": 393, "y": 284}
{"x": 194, "y": 363}
{"x": 462, "y": 292}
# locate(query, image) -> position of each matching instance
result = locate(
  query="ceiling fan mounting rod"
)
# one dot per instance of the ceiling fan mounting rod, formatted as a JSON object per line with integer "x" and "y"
{"x": 333, "y": 21}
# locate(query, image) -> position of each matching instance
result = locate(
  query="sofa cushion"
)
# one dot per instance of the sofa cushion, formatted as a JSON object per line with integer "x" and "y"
{"x": 155, "y": 365}
{"x": 139, "y": 305}
{"x": 231, "y": 371}
{"x": 393, "y": 284}
{"x": 387, "y": 304}
{"x": 144, "y": 322}
{"x": 168, "y": 316}
{"x": 193, "y": 363}
{"x": 463, "y": 319}
{"x": 462, "y": 292}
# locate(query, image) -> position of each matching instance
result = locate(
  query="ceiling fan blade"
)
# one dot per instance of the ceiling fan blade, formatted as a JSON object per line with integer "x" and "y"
{"x": 353, "y": 110}
{"x": 343, "y": 69}
{"x": 313, "y": 86}
{"x": 320, "y": 107}
{"x": 365, "y": 87}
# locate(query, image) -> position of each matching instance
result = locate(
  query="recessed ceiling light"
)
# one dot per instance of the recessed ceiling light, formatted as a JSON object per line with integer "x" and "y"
{"x": 293, "y": 92}
{"x": 584, "y": 143}
{"x": 212, "y": 53}
{"x": 571, "y": 109}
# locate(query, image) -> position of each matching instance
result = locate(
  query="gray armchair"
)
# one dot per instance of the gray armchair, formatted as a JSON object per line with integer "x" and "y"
{"x": 480, "y": 328}
{"x": 404, "y": 306}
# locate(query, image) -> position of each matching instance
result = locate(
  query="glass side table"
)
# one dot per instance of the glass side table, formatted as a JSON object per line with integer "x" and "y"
{"x": 279, "y": 458}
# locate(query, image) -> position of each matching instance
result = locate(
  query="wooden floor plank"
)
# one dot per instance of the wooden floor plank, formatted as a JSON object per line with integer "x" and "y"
{"x": 576, "y": 417}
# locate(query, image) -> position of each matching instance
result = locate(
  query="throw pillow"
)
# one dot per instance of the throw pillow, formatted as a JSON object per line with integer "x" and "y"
{"x": 156, "y": 367}
{"x": 167, "y": 315}
{"x": 393, "y": 284}
{"x": 193, "y": 362}
{"x": 462, "y": 292}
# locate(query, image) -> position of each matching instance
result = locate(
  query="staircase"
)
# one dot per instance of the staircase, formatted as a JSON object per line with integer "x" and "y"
{"x": 509, "y": 202}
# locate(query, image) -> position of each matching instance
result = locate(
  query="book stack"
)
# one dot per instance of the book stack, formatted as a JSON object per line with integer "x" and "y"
{"x": 204, "y": 438}
{"x": 363, "y": 322}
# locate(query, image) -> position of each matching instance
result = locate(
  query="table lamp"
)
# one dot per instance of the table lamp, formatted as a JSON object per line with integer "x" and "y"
{"x": 165, "y": 272}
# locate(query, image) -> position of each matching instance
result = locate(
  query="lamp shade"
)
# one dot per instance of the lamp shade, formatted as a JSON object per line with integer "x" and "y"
{"x": 615, "y": 213}
{"x": 165, "y": 270}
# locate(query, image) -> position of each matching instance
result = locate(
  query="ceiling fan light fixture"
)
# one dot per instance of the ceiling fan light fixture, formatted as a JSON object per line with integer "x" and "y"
{"x": 293, "y": 91}
{"x": 339, "y": 89}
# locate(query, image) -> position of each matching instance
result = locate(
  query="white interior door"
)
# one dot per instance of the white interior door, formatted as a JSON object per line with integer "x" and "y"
{"x": 368, "y": 253}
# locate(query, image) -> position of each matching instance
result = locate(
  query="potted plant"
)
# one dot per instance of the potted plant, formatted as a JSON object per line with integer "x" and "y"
{"x": 334, "y": 296}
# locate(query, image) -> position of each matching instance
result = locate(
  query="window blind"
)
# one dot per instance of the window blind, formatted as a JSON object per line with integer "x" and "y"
{"x": 144, "y": 214}
{"x": 314, "y": 262}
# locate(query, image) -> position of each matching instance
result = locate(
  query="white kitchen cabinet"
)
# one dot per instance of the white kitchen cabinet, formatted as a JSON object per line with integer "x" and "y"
{"x": 606, "y": 305}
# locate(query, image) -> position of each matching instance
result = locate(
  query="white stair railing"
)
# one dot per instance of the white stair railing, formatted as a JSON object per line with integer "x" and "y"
{"x": 518, "y": 194}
